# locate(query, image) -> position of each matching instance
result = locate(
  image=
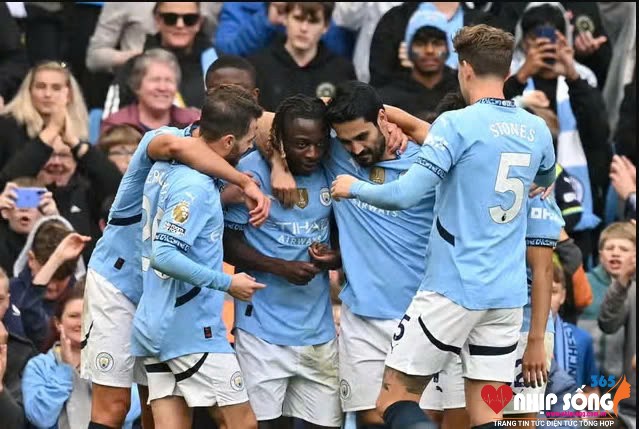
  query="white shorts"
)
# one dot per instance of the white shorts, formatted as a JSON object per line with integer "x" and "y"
{"x": 202, "y": 379}
{"x": 364, "y": 344}
{"x": 446, "y": 390}
{"x": 294, "y": 381}
{"x": 107, "y": 320}
{"x": 434, "y": 330}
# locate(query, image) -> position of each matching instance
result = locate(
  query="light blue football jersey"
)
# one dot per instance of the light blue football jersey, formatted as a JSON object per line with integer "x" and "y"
{"x": 383, "y": 251}
{"x": 484, "y": 159}
{"x": 284, "y": 313}
{"x": 182, "y": 217}
{"x": 543, "y": 229}
{"x": 116, "y": 256}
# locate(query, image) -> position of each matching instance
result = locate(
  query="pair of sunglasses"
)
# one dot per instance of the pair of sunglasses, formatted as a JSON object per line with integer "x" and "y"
{"x": 171, "y": 19}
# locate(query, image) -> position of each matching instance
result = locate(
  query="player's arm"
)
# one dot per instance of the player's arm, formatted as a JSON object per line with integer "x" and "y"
{"x": 282, "y": 181}
{"x": 441, "y": 150}
{"x": 547, "y": 170}
{"x": 179, "y": 227}
{"x": 412, "y": 126}
{"x": 195, "y": 153}
{"x": 239, "y": 253}
{"x": 540, "y": 262}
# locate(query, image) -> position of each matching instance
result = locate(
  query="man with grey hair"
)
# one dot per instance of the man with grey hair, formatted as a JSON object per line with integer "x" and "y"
{"x": 154, "y": 79}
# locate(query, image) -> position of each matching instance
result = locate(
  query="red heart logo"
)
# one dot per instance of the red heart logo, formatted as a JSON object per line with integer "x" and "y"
{"x": 496, "y": 399}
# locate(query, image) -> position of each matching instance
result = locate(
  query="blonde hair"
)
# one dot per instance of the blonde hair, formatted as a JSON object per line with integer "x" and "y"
{"x": 24, "y": 112}
{"x": 618, "y": 230}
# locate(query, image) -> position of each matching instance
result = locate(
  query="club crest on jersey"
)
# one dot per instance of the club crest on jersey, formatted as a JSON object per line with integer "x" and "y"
{"x": 104, "y": 362}
{"x": 237, "y": 381}
{"x": 302, "y": 198}
{"x": 377, "y": 175}
{"x": 344, "y": 389}
{"x": 181, "y": 212}
{"x": 325, "y": 197}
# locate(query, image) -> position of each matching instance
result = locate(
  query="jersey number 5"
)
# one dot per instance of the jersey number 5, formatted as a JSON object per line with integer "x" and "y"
{"x": 510, "y": 184}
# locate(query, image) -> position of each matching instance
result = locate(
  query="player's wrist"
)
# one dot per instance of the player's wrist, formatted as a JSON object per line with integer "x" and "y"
{"x": 535, "y": 337}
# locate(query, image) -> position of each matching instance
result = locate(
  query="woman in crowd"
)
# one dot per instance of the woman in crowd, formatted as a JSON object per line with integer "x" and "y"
{"x": 54, "y": 394}
{"x": 155, "y": 80}
{"x": 48, "y": 102}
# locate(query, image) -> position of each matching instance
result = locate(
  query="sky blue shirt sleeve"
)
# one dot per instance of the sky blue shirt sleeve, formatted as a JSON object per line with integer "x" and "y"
{"x": 441, "y": 150}
{"x": 547, "y": 171}
{"x": 180, "y": 225}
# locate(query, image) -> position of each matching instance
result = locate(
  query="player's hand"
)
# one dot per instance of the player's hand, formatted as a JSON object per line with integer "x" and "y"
{"x": 232, "y": 194}
{"x": 323, "y": 257}
{"x": 47, "y": 205}
{"x": 284, "y": 187}
{"x": 71, "y": 247}
{"x": 586, "y": 45}
{"x": 534, "y": 363}
{"x": 539, "y": 190}
{"x": 397, "y": 140}
{"x": 298, "y": 272}
{"x": 244, "y": 286}
{"x": 341, "y": 187}
{"x": 8, "y": 197}
{"x": 259, "y": 205}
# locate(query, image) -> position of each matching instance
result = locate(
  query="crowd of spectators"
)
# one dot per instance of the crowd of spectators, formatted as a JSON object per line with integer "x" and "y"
{"x": 81, "y": 82}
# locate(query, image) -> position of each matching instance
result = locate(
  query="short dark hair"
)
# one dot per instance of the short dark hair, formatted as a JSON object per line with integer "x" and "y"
{"x": 453, "y": 100}
{"x": 228, "y": 109}
{"x": 159, "y": 3}
{"x": 295, "y": 107}
{"x": 311, "y": 9}
{"x": 231, "y": 62}
{"x": 354, "y": 100}
{"x": 544, "y": 14}
{"x": 46, "y": 239}
{"x": 487, "y": 49}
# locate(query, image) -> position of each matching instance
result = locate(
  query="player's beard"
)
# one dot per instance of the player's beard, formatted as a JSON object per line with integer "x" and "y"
{"x": 371, "y": 156}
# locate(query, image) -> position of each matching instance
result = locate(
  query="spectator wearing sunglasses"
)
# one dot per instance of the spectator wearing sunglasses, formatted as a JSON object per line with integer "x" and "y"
{"x": 122, "y": 29}
{"x": 179, "y": 27}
